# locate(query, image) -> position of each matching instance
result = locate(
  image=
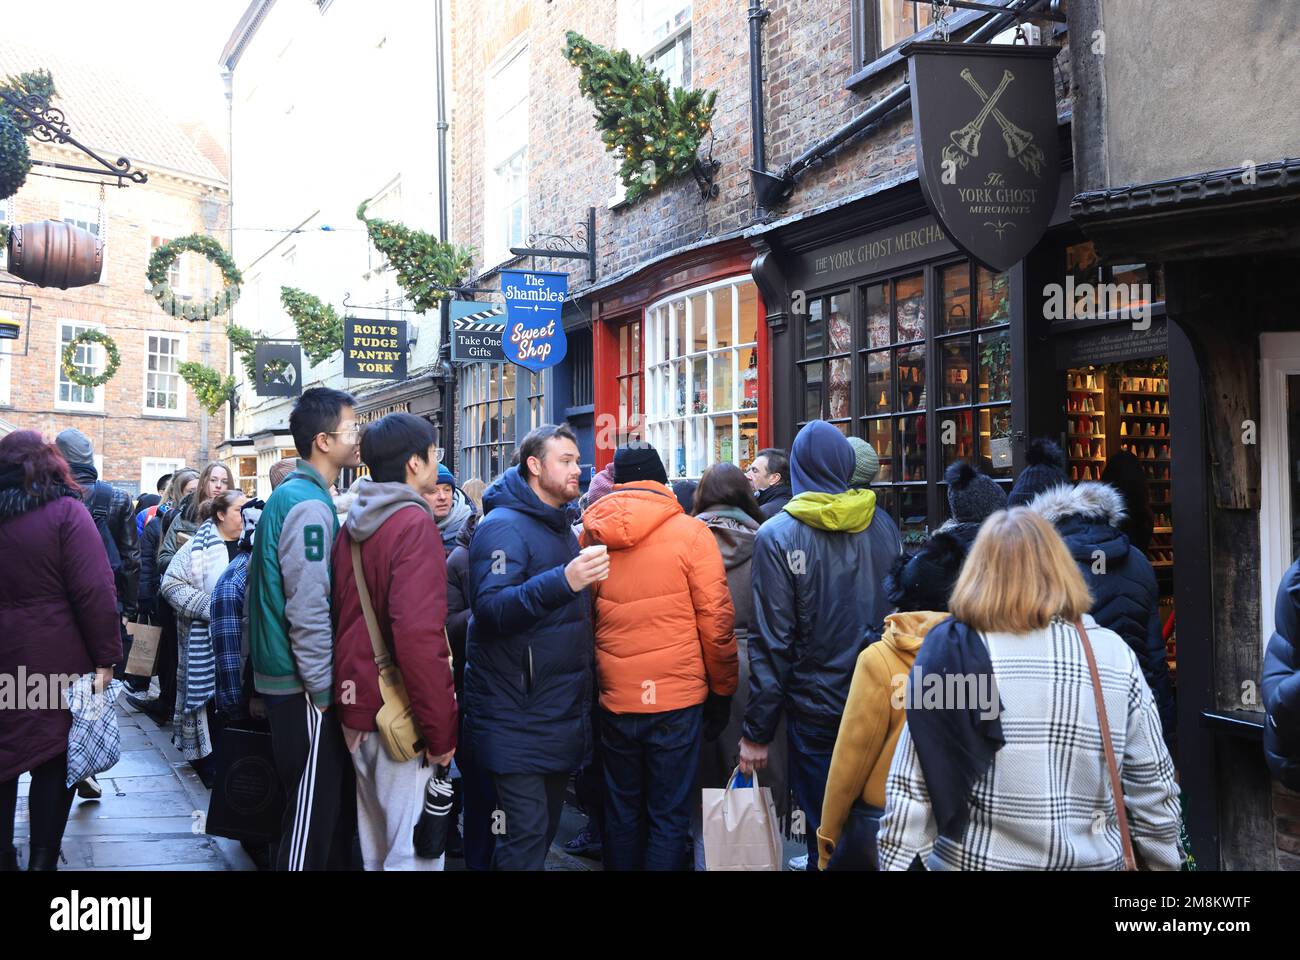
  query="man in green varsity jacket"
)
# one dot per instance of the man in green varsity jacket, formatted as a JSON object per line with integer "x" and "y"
{"x": 291, "y": 641}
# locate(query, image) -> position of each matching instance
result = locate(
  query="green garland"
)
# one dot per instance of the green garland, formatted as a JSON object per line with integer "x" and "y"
{"x": 163, "y": 258}
{"x": 70, "y": 356}
{"x": 244, "y": 343}
{"x": 320, "y": 329}
{"x": 426, "y": 266}
{"x": 655, "y": 128}
{"x": 210, "y": 387}
{"x": 15, "y": 158}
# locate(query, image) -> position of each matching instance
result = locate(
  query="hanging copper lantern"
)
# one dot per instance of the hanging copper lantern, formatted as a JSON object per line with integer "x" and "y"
{"x": 55, "y": 254}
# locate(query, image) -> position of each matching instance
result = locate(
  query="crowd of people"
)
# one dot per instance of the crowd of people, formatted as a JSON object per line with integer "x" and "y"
{"x": 642, "y": 641}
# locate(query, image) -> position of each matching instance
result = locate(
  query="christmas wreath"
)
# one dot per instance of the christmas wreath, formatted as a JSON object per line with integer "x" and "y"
{"x": 211, "y": 389}
{"x": 656, "y": 128}
{"x": 70, "y": 359}
{"x": 166, "y": 255}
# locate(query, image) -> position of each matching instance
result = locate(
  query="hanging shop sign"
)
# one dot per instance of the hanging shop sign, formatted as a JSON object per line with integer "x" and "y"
{"x": 986, "y": 143}
{"x": 477, "y": 330}
{"x": 374, "y": 349}
{"x": 534, "y": 333}
{"x": 8, "y": 330}
{"x": 279, "y": 369}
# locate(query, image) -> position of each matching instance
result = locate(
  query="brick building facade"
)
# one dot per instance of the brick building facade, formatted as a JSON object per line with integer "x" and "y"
{"x": 145, "y": 420}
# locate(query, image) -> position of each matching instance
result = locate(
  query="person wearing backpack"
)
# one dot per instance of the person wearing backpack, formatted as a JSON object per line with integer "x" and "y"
{"x": 114, "y": 517}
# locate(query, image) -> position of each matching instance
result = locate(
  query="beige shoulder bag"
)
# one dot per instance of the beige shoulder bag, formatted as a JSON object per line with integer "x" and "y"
{"x": 395, "y": 721}
{"x": 1116, "y": 788}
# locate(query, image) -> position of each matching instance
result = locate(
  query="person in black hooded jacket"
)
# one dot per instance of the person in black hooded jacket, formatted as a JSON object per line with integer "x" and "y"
{"x": 1281, "y": 686}
{"x": 1119, "y": 577}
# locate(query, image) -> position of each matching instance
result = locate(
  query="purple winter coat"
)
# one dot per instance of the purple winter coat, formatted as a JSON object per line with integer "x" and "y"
{"x": 58, "y": 616}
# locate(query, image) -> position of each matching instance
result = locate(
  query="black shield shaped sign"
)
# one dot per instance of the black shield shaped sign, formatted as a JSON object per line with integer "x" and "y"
{"x": 986, "y": 147}
{"x": 279, "y": 369}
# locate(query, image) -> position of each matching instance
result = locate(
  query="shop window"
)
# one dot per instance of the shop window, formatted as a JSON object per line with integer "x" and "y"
{"x": 702, "y": 377}
{"x": 918, "y": 365}
{"x": 245, "y": 472}
{"x": 1119, "y": 287}
{"x": 629, "y": 382}
{"x": 6, "y": 363}
{"x": 880, "y": 25}
{"x": 487, "y": 419}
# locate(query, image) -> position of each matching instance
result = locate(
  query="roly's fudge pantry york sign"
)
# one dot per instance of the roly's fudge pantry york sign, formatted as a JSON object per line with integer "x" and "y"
{"x": 374, "y": 349}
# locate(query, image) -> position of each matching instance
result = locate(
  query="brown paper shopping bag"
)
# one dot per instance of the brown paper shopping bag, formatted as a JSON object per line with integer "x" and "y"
{"x": 144, "y": 649}
{"x": 740, "y": 828}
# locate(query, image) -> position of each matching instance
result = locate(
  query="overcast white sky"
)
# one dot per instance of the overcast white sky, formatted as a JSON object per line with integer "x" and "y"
{"x": 168, "y": 46}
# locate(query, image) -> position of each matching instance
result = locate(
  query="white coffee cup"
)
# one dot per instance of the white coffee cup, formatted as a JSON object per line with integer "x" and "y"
{"x": 596, "y": 550}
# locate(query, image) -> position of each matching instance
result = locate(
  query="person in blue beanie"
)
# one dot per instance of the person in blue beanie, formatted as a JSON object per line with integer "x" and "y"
{"x": 451, "y": 508}
{"x": 818, "y": 582}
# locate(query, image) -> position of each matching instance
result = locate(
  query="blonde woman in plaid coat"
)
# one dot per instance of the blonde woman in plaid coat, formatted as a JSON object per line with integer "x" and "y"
{"x": 1039, "y": 796}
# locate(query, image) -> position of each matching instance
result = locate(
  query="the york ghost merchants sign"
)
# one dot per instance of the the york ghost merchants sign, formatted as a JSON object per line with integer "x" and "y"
{"x": 986, "y": 147}
{"x": 534, "y": 335}
{"x": 374, "y": 349}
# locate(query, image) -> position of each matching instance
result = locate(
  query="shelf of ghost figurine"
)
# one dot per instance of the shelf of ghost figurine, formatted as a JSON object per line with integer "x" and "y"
{"x": 1089, "y": 390}
{"x": 1080, "y": 436}
{"x": 1143, "y": 393}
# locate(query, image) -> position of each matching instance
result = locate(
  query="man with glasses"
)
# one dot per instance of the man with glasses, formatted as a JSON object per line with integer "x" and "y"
{"x": 291, "y": 638}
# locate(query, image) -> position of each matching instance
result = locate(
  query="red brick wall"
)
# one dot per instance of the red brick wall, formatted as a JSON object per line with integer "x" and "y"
{"x": 123, "y": 433}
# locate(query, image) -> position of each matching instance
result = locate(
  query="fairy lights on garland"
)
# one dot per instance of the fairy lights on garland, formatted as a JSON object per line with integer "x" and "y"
{"x": 86, "y": 338}
{"x": 427, "y": 268}
{"x": 161, "y": 262}
{"x": 209, "y": 386}
{"x": 655, "y": 128}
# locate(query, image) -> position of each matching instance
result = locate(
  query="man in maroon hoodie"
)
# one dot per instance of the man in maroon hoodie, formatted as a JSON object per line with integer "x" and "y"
{"x": 405, "y": 572}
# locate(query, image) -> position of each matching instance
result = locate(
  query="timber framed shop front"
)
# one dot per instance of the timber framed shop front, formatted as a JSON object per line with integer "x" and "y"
{"x": 906, "y": 342}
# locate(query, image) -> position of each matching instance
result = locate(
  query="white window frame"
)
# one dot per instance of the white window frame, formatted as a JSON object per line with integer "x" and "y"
{"x": 166, "y": 233}
{"x": 659, "y": 372}
{"x": 502, "y": 142}
{"x": 1279, "y": 358}
{"x": 6, "y": 364}
{"x": 151, "y": 468}
{"x": 633, "y": 36}
{"x": 6, "y": 216}
{"x": 386, "y": 205}
{"x": 181, "y": 355}
{"x": 68, "y": 210}
{"x": 97, "y": 405}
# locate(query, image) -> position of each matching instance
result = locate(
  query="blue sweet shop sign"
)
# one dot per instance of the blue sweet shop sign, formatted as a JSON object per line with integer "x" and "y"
{"x": 534, "y": 334}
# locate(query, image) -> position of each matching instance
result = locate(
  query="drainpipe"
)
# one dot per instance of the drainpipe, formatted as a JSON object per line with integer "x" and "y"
{"x": 445, "y": 370}
{"x": 774, "y": 188}
{"x": 757, "y": 17}
{"x": 228, "y": 81}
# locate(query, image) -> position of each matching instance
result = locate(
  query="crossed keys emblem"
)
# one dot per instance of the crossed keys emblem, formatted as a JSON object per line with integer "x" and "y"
{"x": 966, "y": 140}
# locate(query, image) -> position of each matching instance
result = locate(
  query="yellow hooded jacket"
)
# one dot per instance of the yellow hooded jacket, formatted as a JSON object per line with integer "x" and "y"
{"x": 871, "y": 724}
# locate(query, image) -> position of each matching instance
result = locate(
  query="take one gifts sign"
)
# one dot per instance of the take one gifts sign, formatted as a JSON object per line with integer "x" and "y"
{"x": 534, "y": 335}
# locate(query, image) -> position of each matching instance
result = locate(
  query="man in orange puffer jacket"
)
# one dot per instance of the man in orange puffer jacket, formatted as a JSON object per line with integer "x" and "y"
{"x": 665, "y": 659}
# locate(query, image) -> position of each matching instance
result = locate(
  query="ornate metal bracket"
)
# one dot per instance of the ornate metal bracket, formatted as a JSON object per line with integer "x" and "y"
{"x": 35, "y": 117}
{"x": 705, "y": 172}
{"x": 580, "y": 246}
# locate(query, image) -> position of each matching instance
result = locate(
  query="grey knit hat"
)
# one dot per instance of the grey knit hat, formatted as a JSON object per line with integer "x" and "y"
{"x": 866, "y": 463}
{"x": 75, "y": 446}
{"x": 972, "y": 496}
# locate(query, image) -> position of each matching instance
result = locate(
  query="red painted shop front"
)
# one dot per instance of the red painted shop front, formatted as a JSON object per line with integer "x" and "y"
{"x": 681, "y": 360}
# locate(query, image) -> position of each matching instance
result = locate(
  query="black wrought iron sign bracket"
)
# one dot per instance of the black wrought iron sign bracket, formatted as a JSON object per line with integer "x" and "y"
{"x": 35, "y": 117}
{"x": 580, "y": 246}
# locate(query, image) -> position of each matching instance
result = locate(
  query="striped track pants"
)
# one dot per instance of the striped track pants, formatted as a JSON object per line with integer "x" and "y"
{"x": 319, "y": 784}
